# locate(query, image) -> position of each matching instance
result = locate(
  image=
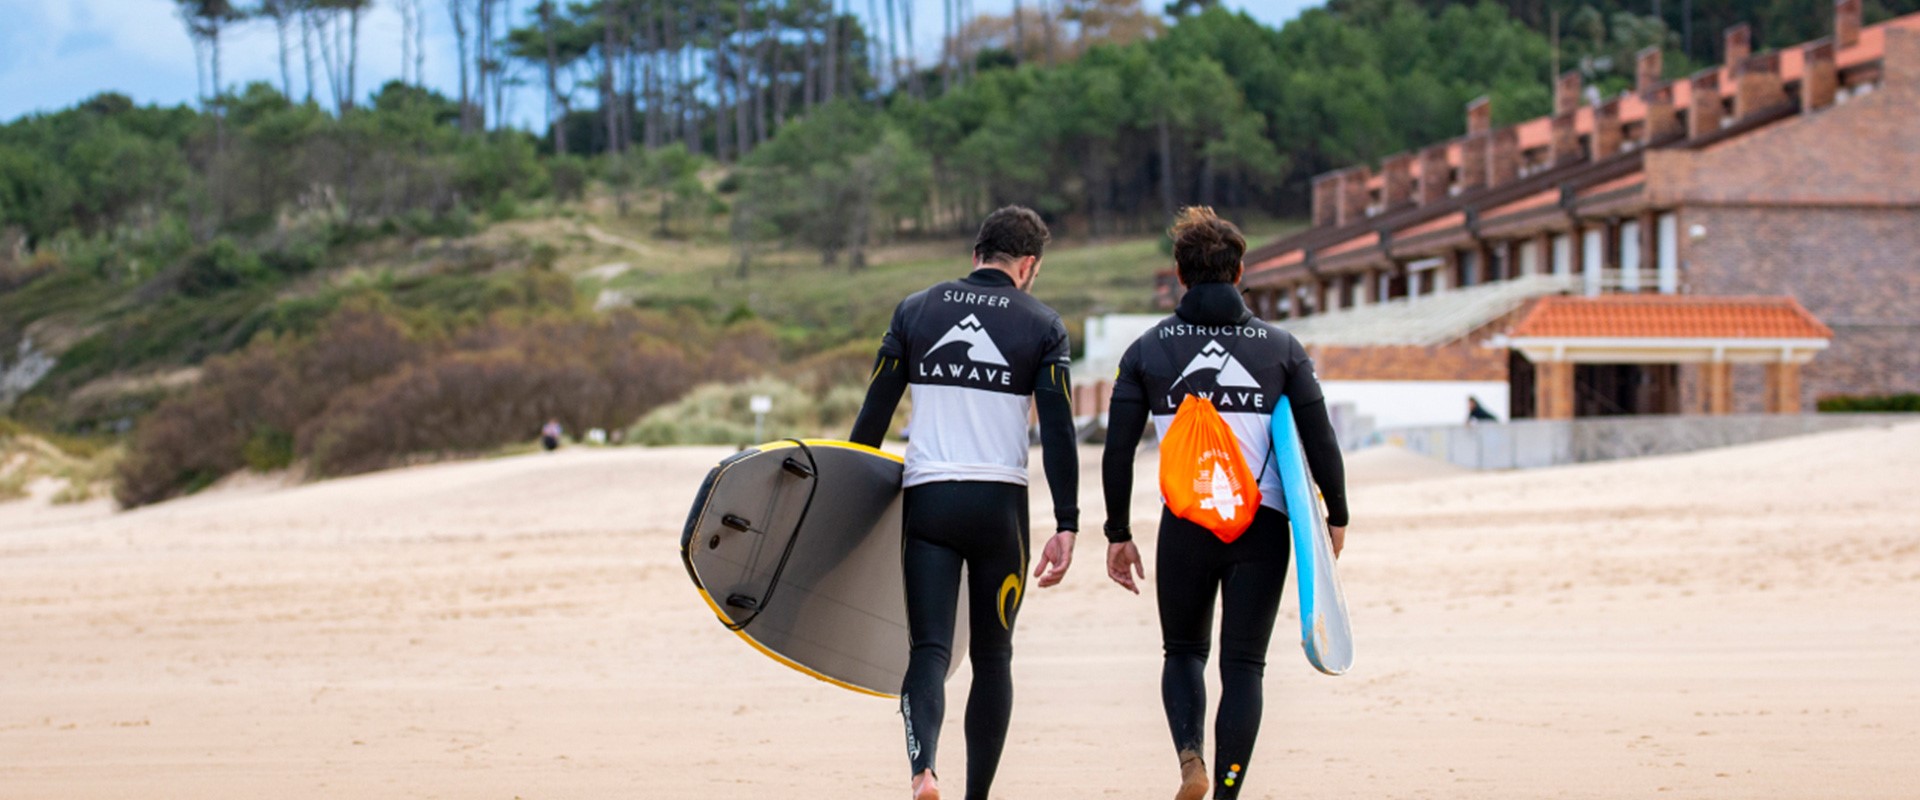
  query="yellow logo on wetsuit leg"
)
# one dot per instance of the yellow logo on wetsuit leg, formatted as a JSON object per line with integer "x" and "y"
{"x": 1010, "y": 585}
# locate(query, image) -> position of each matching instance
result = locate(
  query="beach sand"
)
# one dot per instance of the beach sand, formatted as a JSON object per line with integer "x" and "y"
{"x": 1740, "y": 623}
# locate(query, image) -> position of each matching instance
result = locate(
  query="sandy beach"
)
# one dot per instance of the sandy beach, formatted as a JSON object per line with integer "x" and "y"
{"x": 1739, "y": 623}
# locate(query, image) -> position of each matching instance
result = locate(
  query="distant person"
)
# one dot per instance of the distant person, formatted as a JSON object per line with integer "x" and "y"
{"x": 550, "y": 435}
{"x": 1477, "y": 413}
{"x": 1213, "y": 347}
{"x": 978, "y": 353}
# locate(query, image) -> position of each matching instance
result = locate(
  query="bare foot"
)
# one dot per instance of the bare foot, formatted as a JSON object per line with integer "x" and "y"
{"x": 925, "y": 786}
{"x": 1193, "y": 777}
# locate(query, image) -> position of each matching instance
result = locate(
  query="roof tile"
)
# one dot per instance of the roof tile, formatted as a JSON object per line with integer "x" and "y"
{"x": 1670, "y": 317}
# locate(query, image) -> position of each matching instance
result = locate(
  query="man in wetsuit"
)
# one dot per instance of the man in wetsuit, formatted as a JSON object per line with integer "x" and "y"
{"x": 1214, "y": 347}
{"x": 979, "y": 353}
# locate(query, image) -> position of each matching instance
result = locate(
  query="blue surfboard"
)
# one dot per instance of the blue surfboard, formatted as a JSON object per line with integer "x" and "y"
{"x": 1324, "y": 629}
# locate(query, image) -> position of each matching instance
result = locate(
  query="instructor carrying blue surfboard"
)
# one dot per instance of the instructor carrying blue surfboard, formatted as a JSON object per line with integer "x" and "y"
{"x": 980, "y": 354}
{"x": 1209, "y": 369}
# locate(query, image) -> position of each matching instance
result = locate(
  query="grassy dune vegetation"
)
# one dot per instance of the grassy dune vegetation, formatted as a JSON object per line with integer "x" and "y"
{"x": 351, "y": 282}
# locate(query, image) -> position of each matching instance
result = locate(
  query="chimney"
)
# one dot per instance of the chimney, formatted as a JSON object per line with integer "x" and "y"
{"x": 1353, "y": 195}
{"x": 1503, "y": 157}
{"x": 1326, "y": 199}
{"x": 1846, "y": 23}
{"x": 1479, "y": 115}
{"x": 1663, "y": 120}
{"x": 1566, "y": 92}
{"x": 1901, "y": 64}
{"x": 1738, "y": 44}
{"x": 1396, "y": 174}
{"x": 1565, "y": 142}
{"x": 1819, "y": 77}
{"x": 1757, "y": 85}
{"x": 1606, "y": 129}
{"x": 1473, "y": 160}
{"x": 1435, "y": 174}
{"x": 1646, "y": 69}
{"x": 1704, "y": 116}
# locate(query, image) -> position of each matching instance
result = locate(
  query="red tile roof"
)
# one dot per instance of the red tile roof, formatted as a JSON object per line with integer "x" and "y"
{"x": 1528, "y": 203}
{"x": 1640, "y": 316}
{"x": 1356, "y": 243}
{"x": 1440, "y": 223}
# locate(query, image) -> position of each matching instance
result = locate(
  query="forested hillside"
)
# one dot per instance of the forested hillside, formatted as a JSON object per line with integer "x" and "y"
{"x": 297, "y": 269}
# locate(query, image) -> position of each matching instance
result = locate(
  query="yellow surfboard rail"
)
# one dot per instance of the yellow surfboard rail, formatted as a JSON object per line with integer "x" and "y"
{"x": 754, "y": 643}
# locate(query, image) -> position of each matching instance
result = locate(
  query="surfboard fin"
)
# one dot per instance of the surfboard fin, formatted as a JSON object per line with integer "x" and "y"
{"x": 737, "y": 522}
{"x": 743, "y": 601}
{"x": 799, "y": 470}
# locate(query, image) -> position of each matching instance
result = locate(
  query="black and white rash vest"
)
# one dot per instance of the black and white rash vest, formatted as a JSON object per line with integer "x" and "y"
{"x": 973, "y": 350}
{"x": 1240, "y": 363}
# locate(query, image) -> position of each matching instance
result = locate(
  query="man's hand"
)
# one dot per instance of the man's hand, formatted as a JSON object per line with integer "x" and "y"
{"x": 1123, "y": 562}
{"x": 1055, "y": 558}
{"x": 1338, "y": 533}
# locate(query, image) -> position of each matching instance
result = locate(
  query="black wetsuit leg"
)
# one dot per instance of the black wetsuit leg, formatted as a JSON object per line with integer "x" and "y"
{"x": 983, "y": 526}
{"x": 1248, "y": 576}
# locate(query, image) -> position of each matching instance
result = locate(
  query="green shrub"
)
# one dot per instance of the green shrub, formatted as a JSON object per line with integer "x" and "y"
{"x": 1870, "y": 403}
{"x": 268, "y": 450}
{"x": 219, "y": 266}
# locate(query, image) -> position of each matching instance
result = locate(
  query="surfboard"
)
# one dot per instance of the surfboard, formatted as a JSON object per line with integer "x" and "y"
{"x": 795, "y": 547}
{"x": 1325, "y": 631}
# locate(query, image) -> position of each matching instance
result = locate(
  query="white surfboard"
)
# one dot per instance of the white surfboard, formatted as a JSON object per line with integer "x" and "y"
{"x": 1325, "y": 631}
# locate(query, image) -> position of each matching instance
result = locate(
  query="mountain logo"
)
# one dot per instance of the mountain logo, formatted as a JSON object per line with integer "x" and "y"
{"x": 980, "y": 346}
{"x": 1216, "y": 357}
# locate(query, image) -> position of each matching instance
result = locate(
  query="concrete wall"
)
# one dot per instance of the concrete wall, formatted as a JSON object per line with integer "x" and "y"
{"x": 1405, "y": 404}
{"x": 1528, "y": 444}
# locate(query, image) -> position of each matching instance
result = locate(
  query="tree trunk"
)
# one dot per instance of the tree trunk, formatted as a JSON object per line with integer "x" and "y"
{"x": 609, "y": 83}
{"x": 893, "y": 47}
{"x": 1019, "y": 33}
{"x": 500, "y": 69}
{"x": 353, "y": 50}
{"x": 406, "y": 37}
{"x": 482, "y": 34}
{"x": 776, "y": 75}
{"x": 328, "y": 63}
{"x": 306, "y": 49}
{"x": 1166, "y": 167}
{"x": 830, "y": 78}
{"x": 286, "y": 72}
{"x": 219, "y": 105}
{"x": 808, "y": 79}
{"x": 457, "y": 10}
{"x": 722, "y": 137}
{"x": 913, "y": 61}
{"x": 946, "y": 46}
{"x": 742, "y": 104}
{"x": 557, "y": 124}
{"x": 768, "y": 76}
{"x": 419, "y": 41}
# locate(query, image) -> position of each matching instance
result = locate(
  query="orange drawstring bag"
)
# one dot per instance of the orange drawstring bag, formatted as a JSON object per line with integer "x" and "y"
{"x": 1204, "y": 478}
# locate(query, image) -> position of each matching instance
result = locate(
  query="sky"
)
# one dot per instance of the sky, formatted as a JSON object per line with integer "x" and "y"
{"x": 54, "y": 53}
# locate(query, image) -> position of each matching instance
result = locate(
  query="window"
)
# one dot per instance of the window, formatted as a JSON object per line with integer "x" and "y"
{"x": 1593, "y": 258}
{"x": 1667, "y": 252}
{"x": 1563, "y": 254}
{"x": 1629, "y": 256}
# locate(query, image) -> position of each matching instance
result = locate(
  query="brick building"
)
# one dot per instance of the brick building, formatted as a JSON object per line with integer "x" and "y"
{"x": 1744, "y": 239}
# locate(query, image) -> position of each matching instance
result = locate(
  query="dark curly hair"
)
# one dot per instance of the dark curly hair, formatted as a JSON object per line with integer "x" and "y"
{"x": 1206, "y": 248}
{"x": 1010, "y": 234}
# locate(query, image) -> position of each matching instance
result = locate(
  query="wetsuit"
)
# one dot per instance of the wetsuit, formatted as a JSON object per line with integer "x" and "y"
{"x": 1213, "y": 346}
{"x": 979, "y": 355}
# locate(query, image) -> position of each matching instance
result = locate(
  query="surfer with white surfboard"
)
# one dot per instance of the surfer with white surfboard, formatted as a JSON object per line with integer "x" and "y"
{"x": 978, "y": 354}
{"x": 1211, "y": 377}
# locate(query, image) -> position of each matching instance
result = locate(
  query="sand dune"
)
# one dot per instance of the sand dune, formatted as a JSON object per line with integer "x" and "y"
{"x": 1732, "y": 624}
